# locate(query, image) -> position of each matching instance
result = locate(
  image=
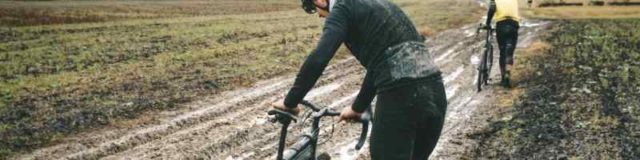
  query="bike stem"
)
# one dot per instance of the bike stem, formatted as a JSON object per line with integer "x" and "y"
{"x": 315, "y": 126}
{"x": 285, "y": 119}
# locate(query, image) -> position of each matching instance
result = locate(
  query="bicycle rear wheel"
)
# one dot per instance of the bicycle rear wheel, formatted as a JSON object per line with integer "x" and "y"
{"x": 481, "y": 71}
{"x": 489, "y": 63}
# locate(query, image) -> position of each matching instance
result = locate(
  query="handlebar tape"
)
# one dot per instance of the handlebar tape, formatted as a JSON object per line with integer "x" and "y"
{"x": 364, "y": 119}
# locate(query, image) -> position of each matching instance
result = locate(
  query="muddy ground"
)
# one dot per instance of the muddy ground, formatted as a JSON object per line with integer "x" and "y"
{"x": 232, "y": 125}
{"x": 581, "y": 97}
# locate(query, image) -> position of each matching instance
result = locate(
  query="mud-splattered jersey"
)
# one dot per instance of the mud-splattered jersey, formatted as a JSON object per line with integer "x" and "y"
{"x": 370, "y": 29}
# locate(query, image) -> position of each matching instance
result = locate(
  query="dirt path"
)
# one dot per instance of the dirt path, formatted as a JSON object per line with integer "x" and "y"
{"x": 469, "y": 110}
{"x": 233, "y": 125}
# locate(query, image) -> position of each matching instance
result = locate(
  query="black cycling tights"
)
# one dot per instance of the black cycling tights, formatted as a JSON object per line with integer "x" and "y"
{"x": 408, "y": 120}
{"x": 507, "y": 33}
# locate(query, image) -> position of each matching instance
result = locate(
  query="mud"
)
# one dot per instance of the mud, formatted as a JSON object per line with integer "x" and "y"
{"x": 468, "y": 110}
{"x": 233, "y": 125}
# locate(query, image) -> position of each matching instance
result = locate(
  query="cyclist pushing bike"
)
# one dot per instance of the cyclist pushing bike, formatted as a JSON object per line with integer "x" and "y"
{"x": 411, "y": 101}
{"x": 505, "y": 13}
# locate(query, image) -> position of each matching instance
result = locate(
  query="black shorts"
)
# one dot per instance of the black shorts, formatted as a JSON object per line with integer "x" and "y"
{"x": 507, "y": 34}
{"x": 408, "y": 120}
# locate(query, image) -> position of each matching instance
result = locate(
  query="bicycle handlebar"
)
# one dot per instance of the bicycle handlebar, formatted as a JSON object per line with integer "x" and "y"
{"x": 484, "y": 27}
{"x": 365, "y": 118}
{"x": 285, "y": 119}
{"x": 310, "y": 105}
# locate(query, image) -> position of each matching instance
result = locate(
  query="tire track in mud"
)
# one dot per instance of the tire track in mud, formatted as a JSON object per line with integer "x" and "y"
{"x": 232, "y": 125}
{"x": 461, "y": 84}
{"x": 243, "y": 134}
{"x": 103, "y": 144}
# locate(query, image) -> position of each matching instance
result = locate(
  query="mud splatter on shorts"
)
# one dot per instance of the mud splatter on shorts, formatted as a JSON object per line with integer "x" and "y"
{"x": 405, "y": 62}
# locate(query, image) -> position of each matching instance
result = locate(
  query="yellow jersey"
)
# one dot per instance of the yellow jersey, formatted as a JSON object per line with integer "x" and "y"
{"x": 506, "y": 9}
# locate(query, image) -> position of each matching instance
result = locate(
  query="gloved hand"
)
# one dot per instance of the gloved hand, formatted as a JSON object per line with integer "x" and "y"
{"x": 486, "y": 27}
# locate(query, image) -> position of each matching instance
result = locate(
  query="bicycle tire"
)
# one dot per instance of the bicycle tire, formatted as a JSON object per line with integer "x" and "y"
{"x": 486, "y": 61}
{"x": 489, "y": 63}
{"x": 481, "y": 73}
{"x": 479, "y": 84}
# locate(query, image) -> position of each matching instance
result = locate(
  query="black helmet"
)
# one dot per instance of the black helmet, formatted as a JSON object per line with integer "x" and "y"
{"x": 308, "y": 6}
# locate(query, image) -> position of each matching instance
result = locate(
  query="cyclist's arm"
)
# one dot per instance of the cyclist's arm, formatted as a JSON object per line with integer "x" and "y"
{"x": 366, "y": 94}
{"x": 333, "y": 35}
{"x": 491, "y": 11}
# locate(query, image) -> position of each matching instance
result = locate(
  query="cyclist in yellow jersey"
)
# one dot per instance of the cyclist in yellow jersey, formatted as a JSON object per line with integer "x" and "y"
{"x": 505, "y": 13}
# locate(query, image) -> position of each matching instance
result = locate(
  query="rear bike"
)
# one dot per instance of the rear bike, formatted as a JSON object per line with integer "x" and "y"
{"x": 305, "y": 147}
{"x": 486, "y": 60}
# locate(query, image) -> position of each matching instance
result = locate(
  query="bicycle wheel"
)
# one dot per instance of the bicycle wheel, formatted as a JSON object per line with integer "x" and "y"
{"x": 488, "y": 63}
{"x": 481, "y": 71}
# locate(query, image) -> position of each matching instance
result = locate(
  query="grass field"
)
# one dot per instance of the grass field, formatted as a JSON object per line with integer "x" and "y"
{"x": 581, "y": 98}
{"x": 583, "y": 12}
{"x": 26, "y": 13}
{"x": 69, "y": 66}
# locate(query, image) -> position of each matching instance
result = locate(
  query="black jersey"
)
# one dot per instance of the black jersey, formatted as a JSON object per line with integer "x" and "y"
{"x": 381, "y": 37}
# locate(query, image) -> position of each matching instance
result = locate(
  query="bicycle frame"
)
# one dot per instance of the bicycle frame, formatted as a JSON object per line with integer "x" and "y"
{"x": 305, "y": 147}
{"x": 486, "y": 61}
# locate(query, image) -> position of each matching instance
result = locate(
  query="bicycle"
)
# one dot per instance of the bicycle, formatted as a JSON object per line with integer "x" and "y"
{"x": 305, "y": 146}
{"x": 486, "y": 61}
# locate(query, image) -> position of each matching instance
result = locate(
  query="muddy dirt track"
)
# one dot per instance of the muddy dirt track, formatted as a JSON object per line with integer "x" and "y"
{"x": 233, "y": 125}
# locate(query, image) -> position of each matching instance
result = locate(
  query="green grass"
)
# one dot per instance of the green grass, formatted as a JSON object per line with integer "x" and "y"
{"x": 26, "y": 13}
{"x": 62, "y": 77}
{"x": 438, "y": 15}
{"x": 76, "y": 76}
{"x": 581, "y": 99}
{"x": 583, "y": 12}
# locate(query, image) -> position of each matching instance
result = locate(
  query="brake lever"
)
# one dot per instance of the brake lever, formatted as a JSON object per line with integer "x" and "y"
{"x": 483, "y": 27}
{"x": 281, "y": 116}
{"x": 365, "y": 118}
{"x": 285, "y": 119}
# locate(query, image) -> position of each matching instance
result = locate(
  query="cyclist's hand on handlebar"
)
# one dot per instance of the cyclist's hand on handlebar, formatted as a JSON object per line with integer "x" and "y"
{"x": 486, "y": 27}
{"x": 349, "y": 115}
{"x": 279, "y": 105}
